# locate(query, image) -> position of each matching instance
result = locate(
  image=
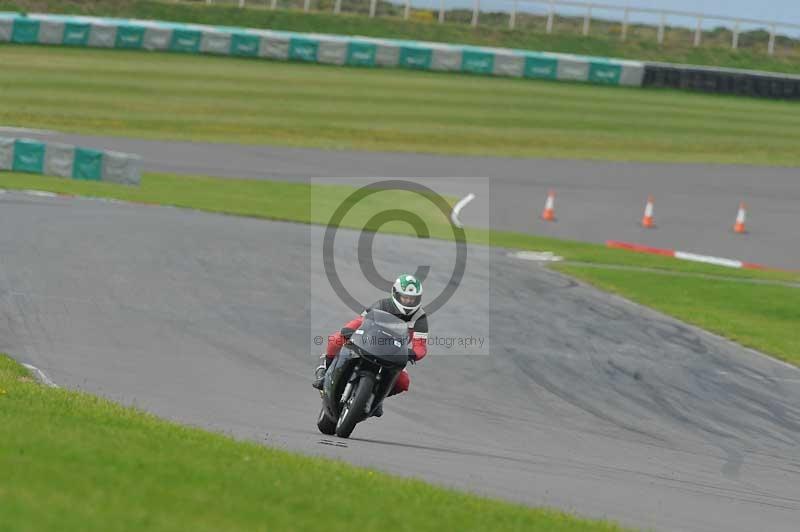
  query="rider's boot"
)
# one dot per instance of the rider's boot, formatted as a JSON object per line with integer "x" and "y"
{"x": 378, "y": 410}
{"x": 319, "y": 373}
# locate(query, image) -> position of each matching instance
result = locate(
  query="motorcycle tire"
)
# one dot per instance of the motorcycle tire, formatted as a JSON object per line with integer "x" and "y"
{"x": 325, "y": 424}
{"x": 353, "y": 412}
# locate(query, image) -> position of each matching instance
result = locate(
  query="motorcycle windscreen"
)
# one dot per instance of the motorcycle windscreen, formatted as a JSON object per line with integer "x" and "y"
{"x": 389, "y": 322}
{"x": 383, "y": 338}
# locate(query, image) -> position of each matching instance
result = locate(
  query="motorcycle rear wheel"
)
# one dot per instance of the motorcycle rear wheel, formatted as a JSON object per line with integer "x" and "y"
{"x": 325, "y": 424}
{"x": 353, "y": 412}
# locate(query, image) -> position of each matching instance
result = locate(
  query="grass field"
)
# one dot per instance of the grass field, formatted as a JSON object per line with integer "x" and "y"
{"x": 169, "y": 96}
{"x": 120, "y": 469}
{"x": 603, "y": 41}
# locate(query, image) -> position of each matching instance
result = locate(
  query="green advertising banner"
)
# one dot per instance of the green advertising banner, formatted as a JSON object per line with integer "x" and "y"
{"x": 414, "y": 57}
{"x": 76, "y": 34}
{"x": 88, "y": 164}
{"x": 129, "y": 37}
{"x": 540, "y": 67}
{"x": 361, "y": 53}
{"x": 25, "y": 31}
{"x": 28, "y": 156}
{"x": 245, "y": 45}
{"x": 477, "y": 62}
{"x": 303, "y": 49}
{"x": 187, "y": 41}
{"x": 606, "y": 73}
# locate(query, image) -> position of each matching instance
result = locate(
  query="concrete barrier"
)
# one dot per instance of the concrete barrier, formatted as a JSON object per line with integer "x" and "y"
{"x": 63, "y": 30}
{"x": 311, "y": 47}
{"x": 64, "y": 160}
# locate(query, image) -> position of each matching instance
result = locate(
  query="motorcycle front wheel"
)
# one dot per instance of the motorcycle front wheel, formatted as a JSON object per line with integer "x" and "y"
{"x": 353, "y": 411}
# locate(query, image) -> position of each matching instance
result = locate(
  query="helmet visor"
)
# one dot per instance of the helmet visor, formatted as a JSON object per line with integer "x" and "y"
{"x": 408, "y": 300}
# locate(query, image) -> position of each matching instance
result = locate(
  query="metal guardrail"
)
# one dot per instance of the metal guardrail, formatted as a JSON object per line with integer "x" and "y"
{"x": 589, "y": 8}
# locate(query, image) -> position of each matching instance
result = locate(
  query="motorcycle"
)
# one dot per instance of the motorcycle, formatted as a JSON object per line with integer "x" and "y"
{"x": 363, "y": 373}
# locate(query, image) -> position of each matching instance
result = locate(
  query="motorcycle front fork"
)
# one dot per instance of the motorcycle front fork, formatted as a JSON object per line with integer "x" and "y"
{"x": 346, "y": 393}
{"x": 348, "y": 389}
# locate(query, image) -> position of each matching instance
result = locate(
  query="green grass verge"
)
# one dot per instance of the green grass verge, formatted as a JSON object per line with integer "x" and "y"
{"x": 604, "y": 41}
{"x": 758, "y": 316}
{"x": 174, "y": 96}
{"x": 72, "y": 461}
{"x": 273, "y": 200}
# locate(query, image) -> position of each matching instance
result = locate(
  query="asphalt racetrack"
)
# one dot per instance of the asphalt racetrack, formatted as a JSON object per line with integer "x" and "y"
{"x": 695, "y": 204}
{"x": 587, "y": 402}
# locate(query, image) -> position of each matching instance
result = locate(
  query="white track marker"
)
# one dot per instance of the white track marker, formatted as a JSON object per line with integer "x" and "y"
{"x": 717, "y": 261}
{"x": 41, "y": 376}
{"x": 536, "y": 256}
{"x": 40, "y": 193}
{"x": 8, "y": 129}
{"x": 457, "y": 209}
{"x": 766, "y": 379}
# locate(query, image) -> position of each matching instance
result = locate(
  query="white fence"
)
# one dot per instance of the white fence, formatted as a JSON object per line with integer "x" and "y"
{"x": 554, "y": 8}
{"x": 663, "y": 14}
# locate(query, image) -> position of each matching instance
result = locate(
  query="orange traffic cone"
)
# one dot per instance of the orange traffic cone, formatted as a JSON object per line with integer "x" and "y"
{"x": 549, "y": 212}
{"x": 648, "y": 222}
{"x": 738, "y": 227}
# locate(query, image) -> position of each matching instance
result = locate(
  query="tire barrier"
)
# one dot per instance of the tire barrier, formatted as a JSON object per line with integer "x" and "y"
{"x": 722, "y": 81}
{"x": 314, "y": 48}
{"x": 63, "y": 160}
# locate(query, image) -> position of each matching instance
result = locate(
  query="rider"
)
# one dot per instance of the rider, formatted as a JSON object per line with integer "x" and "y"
{"x": 405, "y": 303}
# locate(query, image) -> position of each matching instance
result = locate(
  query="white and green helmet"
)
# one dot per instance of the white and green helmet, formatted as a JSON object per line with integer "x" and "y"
{"x": 407, "y": 294}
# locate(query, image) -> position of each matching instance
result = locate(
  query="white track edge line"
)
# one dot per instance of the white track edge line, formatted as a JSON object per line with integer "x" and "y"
{"x": 457, "y": 209}
{"x": 41, "y": 376}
